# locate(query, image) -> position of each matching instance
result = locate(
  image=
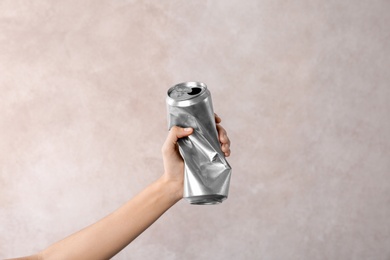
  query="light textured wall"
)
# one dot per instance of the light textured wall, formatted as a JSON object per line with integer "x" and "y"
{"x": 302, "y": 87}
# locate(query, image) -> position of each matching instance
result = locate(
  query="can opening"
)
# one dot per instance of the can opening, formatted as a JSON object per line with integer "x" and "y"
{"x": 195, "y": 91}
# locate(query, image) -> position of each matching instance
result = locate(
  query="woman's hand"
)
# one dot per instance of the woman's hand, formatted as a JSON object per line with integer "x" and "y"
{"x": 173, "y": 162}
{"x": 105, "y": 238}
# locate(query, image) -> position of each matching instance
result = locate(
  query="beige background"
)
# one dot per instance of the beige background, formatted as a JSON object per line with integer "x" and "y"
{"x": 302, "y": 87}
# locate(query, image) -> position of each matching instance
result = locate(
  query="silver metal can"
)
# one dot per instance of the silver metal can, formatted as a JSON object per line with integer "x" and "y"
{"x": 207, "y": 173}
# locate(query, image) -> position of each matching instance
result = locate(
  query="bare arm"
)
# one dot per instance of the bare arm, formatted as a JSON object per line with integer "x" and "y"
{"x": 110, "y": 235}
{"x": 107, "y": 237}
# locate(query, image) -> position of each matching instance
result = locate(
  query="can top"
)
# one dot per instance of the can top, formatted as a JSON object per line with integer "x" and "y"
{"x": 187, "y": 90}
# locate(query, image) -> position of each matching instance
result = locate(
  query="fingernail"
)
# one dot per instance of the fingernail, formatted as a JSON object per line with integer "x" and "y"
{"x": 188, "y": 129}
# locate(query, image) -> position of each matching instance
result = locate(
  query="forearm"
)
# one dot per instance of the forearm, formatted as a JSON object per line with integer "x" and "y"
{"x": 107, "y": 237}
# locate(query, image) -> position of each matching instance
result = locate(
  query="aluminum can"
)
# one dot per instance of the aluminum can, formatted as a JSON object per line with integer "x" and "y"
{"x": 207, "y": 173}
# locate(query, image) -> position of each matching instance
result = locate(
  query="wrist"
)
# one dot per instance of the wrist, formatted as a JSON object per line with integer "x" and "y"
{"x": 172, "y": 188}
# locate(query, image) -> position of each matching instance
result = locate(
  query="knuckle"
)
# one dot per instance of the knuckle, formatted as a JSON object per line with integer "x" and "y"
{"x": 175, "y": 128}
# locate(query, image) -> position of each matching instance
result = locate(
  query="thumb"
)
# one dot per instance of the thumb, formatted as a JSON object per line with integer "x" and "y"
{"x": 178, "y": 132}
{"x": 170, "y": 144}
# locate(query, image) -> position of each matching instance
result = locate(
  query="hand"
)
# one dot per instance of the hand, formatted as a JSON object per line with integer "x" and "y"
{"x": 173, "y": 162}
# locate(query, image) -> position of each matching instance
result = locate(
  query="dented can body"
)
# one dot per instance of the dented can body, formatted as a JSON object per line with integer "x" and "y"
{"x": 207, "y": 173}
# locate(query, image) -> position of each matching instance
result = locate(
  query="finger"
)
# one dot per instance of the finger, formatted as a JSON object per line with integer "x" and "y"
{"x": 178, "y": 132}
{"x": 170, "y": 144}
{"x": 224, "y": 140}
{"x": 226, "y": 150}
{"x": 222, "y": 135}
{"x": 217, "y": 118}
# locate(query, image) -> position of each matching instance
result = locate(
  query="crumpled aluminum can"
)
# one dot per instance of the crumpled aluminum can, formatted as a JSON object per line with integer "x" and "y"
{"x": 207, "y": 173}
